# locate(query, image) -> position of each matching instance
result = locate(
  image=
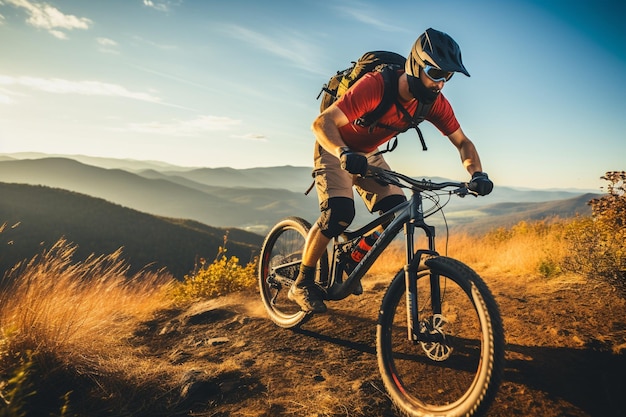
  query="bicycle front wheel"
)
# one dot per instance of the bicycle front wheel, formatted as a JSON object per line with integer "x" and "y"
{"x": 279, "y": 264}
{"x": 455, "y": 367}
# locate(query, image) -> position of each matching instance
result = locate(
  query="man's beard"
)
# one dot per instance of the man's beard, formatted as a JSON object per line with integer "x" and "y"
{"x": 422, "y": 93}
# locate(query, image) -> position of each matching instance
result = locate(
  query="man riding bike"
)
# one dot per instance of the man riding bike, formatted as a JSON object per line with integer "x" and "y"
{"x": 344, "y": 149}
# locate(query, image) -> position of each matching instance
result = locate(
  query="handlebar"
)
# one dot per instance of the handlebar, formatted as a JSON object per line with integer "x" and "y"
{"x": 395, "y": 178}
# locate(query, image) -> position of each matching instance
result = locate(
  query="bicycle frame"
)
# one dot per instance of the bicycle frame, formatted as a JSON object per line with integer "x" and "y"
{"x": 408, "y": 216}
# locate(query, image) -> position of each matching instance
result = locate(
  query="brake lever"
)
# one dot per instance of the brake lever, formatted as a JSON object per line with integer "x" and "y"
{"x": 463, "y": 191}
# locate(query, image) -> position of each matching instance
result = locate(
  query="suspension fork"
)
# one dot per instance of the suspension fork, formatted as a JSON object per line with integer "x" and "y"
{"x": 412, "y": 266}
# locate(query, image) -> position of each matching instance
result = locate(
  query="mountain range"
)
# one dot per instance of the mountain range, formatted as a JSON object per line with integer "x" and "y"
{"x": 217, "y": 197}
{"x": 247, "y": 202}
{"x": 252, "y": 199}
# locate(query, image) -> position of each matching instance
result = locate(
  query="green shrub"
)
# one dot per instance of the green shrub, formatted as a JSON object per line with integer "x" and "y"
{"x": 598, "y": 244}
{"x": 224, "y": 275}
{"x": 548, "y": 268}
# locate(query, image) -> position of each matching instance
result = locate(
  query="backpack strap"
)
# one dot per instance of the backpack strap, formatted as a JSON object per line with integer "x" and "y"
{"x": 417, "y": 118}
{"x": 390, "y": 79}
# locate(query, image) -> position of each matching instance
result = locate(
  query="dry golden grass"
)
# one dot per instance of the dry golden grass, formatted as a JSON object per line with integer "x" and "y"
{"x": 78, "y": 316}
{"x": 53, "y": 304}
{"x": 526, "y": 248}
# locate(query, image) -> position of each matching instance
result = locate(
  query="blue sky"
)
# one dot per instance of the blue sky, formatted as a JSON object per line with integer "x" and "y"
{"x": 234, "y": 83}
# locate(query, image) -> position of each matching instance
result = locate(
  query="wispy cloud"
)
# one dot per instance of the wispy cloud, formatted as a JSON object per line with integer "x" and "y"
{"x": 161, "y": 5}
{"x": 7, "y": 95}
{"x": 45, "y": 16}
{"x": 252, "y": 136}
{"x": 172, "y": 77}
{"x": 107, "y": 45}
{"x": 154, "y": 44}
{"x": 58, "y": 34}
{"x": 193, "y": 127}
{"x": 365, "y": 13}
{"x": 291, "y": 47}
{"x": 106, "y": 42}
{"x": 89, "y": 88}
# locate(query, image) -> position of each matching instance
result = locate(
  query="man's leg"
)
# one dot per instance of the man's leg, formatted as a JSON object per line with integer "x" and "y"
{"x": 304, "y": 291}
{"x": 335, "y": 195}
{"x": 315, "y": 246}
{"x": 337, "y": 214}
{"x": 376, "y": 196}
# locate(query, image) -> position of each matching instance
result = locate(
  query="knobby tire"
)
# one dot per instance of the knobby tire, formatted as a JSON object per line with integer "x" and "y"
{"x": 457, "y": 377}
{"x": 283, "y": 245}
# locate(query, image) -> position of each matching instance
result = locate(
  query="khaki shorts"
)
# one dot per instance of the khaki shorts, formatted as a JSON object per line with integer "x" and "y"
{"x": 333, "y": 181}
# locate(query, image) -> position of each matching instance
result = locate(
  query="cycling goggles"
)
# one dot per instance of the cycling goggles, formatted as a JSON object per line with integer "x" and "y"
{"x": 436, "y": 74}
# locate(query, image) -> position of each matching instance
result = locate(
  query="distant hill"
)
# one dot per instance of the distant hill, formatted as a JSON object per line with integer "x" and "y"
{"x": 131, "y": 165}
{"x": 251, "y": 199}
{"x": 509, "y": 214}
{"x": 292, "y": 178}
{"x": 296, "y": 179}
{"x": 175, "y": 196}
{"x": 36, "y": 217}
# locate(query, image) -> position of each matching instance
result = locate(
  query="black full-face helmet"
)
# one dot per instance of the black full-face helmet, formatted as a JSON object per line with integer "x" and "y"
{"x": 436, "y": 49}
{"x": 432, "y": 50}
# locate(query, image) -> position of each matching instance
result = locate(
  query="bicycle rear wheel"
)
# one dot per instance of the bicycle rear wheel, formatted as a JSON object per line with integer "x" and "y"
{"x": 456, "y": 368}
{"x": 279, "y": 264}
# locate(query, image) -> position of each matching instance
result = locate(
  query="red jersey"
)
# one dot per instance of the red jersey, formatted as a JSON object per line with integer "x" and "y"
{"x": 365, "y": 95}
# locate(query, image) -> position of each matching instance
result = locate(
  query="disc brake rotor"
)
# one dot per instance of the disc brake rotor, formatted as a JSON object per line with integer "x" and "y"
{"x": 434, "y": 329}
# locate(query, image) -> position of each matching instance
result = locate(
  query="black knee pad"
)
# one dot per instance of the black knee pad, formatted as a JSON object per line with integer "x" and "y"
{"x": 388, "y": 203}
{"x": 337, "y": 214}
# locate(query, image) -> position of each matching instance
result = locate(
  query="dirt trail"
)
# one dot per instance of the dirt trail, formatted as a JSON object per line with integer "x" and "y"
{"x": 566, "y": 344}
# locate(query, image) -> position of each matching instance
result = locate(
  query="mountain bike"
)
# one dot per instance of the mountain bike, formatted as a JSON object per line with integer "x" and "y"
{"x": 439, "y": 337}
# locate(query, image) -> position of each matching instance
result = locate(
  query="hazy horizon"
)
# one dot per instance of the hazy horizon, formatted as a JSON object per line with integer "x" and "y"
{"x": 89, "y": 158}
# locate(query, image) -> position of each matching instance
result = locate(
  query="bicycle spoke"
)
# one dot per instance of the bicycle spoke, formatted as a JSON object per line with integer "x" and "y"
{"x": 278, "y": 268}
